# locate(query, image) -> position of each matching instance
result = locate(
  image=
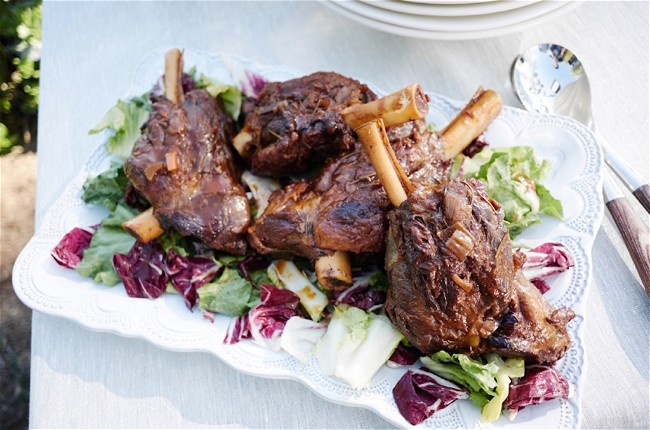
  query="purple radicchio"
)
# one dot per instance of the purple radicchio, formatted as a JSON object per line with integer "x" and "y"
{"x": 69, "y": 251}
{"x": 238, "y": 329}
{"x": 187, "y": 274}
{"x": 253, "y": 84}
{"x": 544, "y": 261}
{"x": 360, "y": 294}
{"x": 142, "y": 270}
{"x": 186, "y": 82}
{"x": 420, "y": 393}
{"x": 267, "y": 320}
{"x": 252, "y": 264}
{"x": 539, "y": 384}
{"x": 476, "y": 146}
{"x": 404, "y": 356}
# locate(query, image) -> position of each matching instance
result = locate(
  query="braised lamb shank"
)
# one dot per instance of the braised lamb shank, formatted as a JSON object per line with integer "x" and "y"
{"x": 295, "y": 125}
{"x": 184, "y": 167}
{"x": 344, "y": 208}
{"x": 456, "y": 284}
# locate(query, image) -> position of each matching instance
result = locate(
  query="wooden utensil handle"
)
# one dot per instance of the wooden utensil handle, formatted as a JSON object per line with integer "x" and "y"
{"x": 635, "y": 235}
{"x": 642, "y": 194}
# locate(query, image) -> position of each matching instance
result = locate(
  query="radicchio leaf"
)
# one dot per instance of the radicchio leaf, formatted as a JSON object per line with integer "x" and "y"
{"x": 187, "y": 82}
{"x": 539, "y": 384}
{"x": 238, "y": 329}
{"x": 267, "y": 320}
{"x": 404, "y": 356}
{"x": 69, "y": 251}
{"x": 476, "y": 146}
{"x": 546, "y": 260}
{"x": 360, "y": 294}
{"x": 252, "y": 265}
{"x": 187, "y": 274}
{"x": 253, "y": 85}
{"x": 142, "y": 270}
{"x": 419, "y": 394}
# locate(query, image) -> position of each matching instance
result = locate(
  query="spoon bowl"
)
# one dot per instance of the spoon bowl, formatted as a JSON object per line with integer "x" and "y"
{"x": 549, "y": 78}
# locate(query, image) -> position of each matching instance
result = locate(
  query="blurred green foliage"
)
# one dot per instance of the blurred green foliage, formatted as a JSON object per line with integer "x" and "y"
{"x": 20, "y": 54}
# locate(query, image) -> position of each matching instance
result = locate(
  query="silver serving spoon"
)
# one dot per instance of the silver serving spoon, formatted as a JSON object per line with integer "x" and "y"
{"x": 549, "y": 78}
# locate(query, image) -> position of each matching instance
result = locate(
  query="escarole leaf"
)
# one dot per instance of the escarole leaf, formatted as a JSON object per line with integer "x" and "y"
{"x": 460, "y": 368}
{"x": 230, "y": 95}
{"x": 487, "y": 378}
{"x": 513, "y": 178}
{"x": 109, "y": 239}
{"x": 510, "y": 368}
{"x": 124, "y": 121}
{"x": 231, "y": 294}
{"x": 286, "y": 274}
{"x": 107, "y": 188}
{"x": 356, "y": 344}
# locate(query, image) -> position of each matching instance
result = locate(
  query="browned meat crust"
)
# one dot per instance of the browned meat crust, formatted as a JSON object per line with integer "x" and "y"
{"x": 455, "y": 283}
{"x": 184, "y": 167}
{"x": 296, "y": 125}
{"x": 345, "y": 207}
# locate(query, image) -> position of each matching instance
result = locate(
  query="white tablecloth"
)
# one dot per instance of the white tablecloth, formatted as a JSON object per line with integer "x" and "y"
{"x": 81, "y": 378}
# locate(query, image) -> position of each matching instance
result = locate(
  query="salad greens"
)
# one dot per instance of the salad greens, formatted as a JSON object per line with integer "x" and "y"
{"x": 513, "y": 178}
{"x": 487, "y": 379}
{"x": 300, "y": 336}
{"x": 287, "y": 274}
{"x": 124, "y": 121}
{"x": 107, "y": 188}
{"x": 356, "y": 344}
{"x": 231, "y": 294}
{"x": 420, "y": 393}
{"x": 269, "y": 318}
{"x": 109, "y": 239}
{"x": 510, "y": 368}
{"x": 230, "y": 95}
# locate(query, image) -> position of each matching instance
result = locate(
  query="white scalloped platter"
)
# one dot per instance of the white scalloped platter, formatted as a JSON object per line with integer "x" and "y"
{"x": 575, "y": 179}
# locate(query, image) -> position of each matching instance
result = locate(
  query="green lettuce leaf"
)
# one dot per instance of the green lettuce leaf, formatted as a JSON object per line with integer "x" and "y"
{"x": 108, "y": 240}
{"x": 259, "y": 277}
{"x": 487, "y": 378}
{"x": 231, "y": 294}
{"x": 125, "y": 120}
{"x": 513, "y": 178}
{"x": 356, "y": 320}
{"x": 107, "y": 188}
{"x": 231, "y": 96}
{"x": 171, "y": 239}
{"x": 355, "y": 345}
{"x": 510, "y": 368}
{"x": 379, "y": 281}
{"x": 473, "y": 374}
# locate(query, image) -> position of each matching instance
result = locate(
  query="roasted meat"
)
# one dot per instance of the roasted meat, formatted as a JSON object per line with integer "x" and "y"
{"x": 455, "y": 283}
{"x": 183, "y": 166}
{"x": 295, "y": 125}
{"x": 345, "y": 207}
{"x": 531, "y": 327}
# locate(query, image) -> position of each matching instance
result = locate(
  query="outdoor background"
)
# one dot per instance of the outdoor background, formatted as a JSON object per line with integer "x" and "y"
{"x": 20, "y": 42}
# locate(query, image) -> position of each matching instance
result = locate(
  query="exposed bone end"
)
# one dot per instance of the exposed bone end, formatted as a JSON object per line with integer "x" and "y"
{"x": 243, "y": 143}
{"x": 392, "y": 177}
{"x": 144, "y": 227}
{"x": 334, "y": 272}
{"x": 407, "y": 104}
{"x": 174, "y": 76}
{"x": 471, "y": 121}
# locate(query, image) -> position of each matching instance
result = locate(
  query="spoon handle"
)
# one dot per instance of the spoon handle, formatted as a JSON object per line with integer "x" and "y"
{"x": 642, "y": 194}
{"x": 632, "y": 180}
{"x": 634, "y": 232}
